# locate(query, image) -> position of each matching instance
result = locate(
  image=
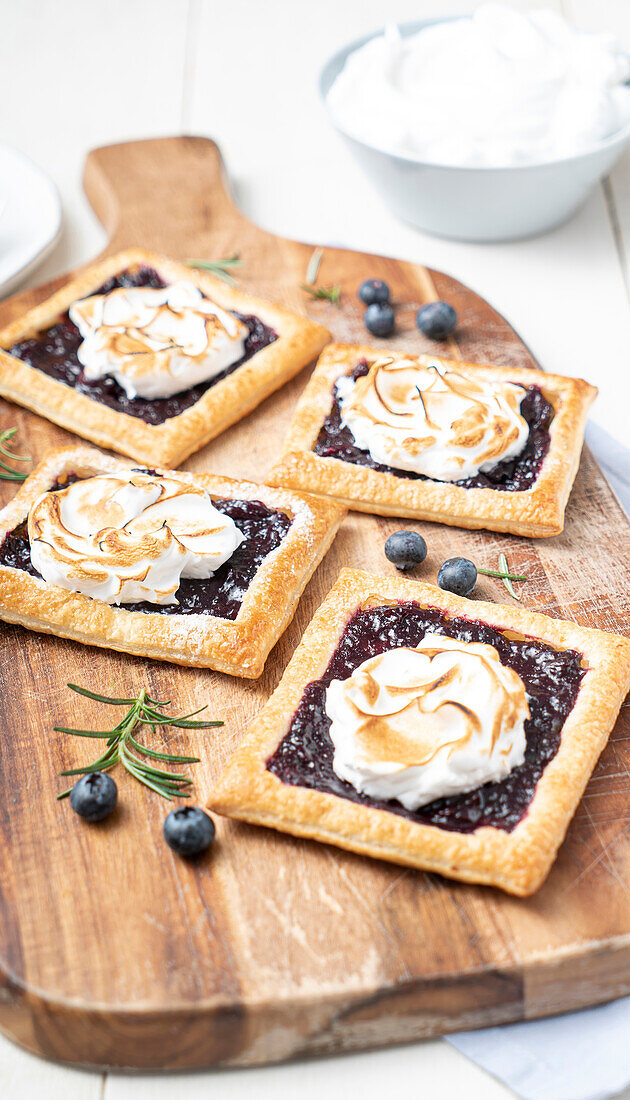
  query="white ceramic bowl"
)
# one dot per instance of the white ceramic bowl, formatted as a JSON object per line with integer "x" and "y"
{"x": 477, "y": 204}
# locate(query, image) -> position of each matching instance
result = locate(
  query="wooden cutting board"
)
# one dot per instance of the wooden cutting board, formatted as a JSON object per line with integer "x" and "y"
{"x": 114, "y": 952}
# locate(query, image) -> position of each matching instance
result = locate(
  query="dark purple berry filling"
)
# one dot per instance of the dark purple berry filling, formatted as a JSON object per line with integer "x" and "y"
{"x": 223, "y": 594}
{"x": 514, "y": 475}
{"x": 552, "y": 680}
{"x": 54, "y": 352}
{"x": 220, "y": 595}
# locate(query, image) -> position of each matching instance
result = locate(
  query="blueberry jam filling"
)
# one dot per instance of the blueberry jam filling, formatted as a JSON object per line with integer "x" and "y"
{"x": 223, "y": 594}
{"x": 552, "y": 680}
{"x": 54, "y": 352}
{"x": 220, "y": 595}
{"x": 513, "y": 475}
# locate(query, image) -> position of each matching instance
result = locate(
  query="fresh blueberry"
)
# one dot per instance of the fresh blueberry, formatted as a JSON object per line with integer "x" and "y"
{"x": 405, "y": 549}
{"x": 379, "y": 319}
{"x": 94, "y": 796}
{"x": 458, "y": 575}
{"x": 373, "y": 290}
{"x": 188, "y": 831}
{"x": 436, "y": 319}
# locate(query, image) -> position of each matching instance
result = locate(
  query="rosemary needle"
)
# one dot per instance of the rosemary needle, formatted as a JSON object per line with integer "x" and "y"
{"x": 508, "y": 578}
{"x": 503, "y": 573}
{"x": 221, "y": 269}
{"x": 7, "y": 473}
{"x": 326, "y": 293}
{"x": 142, "y": 711}
{"x": 313, "y": 267}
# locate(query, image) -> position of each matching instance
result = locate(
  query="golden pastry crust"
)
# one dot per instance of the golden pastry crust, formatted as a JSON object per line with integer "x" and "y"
{"x": 517, "y": 862}
{"x": 239, "y": 647}
{"x": 537, "y": 512}
{"x": 168, "y": 444}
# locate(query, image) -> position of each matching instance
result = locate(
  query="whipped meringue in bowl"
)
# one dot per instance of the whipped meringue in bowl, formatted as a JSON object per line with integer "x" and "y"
{"x": 418, "y": 724}
{"x": 156, "y": 341}
{"x": 129, "y": 538}
{"x": 488, "y": 127}
{"x": 433, "y": 421}
{"x": 498, "y": 88}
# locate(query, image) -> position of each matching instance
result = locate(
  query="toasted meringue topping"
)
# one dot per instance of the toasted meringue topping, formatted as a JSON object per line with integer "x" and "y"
{"x": 419, "y": 724}
{"x": 156, "y": 341}
{"x": 123, "y": 539}
{"x": 442, "y": 423}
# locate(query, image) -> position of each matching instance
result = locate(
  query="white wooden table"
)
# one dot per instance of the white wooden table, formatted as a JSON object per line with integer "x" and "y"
{"x": 80, "y": 73}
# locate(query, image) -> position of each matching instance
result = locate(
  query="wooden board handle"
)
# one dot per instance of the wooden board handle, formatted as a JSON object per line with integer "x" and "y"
{"x": 147, "y": 193}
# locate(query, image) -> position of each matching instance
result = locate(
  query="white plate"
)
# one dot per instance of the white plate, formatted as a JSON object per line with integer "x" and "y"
{"x": 30, "y": 217}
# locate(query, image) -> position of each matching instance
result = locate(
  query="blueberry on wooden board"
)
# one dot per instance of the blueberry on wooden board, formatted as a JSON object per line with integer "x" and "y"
{"x": 94, "y": 796}
{"x": 457, "y": 575}
{"x": 405, "y": 549}
{"x": 436, "y": 320}
{"x": 188, "y": 831}
{"x": 379, "y": 319}
{"x": 373, "y": 290}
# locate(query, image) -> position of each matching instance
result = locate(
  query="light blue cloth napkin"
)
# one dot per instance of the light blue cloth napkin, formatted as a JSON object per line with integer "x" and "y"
{"x": 614, "y": 459}
{"x": 583, "y": 1055}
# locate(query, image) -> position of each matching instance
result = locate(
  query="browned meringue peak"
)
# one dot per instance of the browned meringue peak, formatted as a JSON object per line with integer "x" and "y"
{"x": 156, "y": 341}
{"x": 123, "y": 539}
{"x": 420, "y": 724}
{"x": 433, "y": 420}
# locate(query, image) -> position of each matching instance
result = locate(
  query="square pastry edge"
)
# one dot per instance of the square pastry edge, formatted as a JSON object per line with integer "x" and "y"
{"x": 536, "y": 513}
{"x": 238, "y": 647}
{"x": 517, "y": 862}
{"x": 167, "y": 444}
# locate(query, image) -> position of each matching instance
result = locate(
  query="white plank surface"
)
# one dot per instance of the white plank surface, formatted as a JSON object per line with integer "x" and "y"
{"x": 422, "y": 1069}
{"x": 617, "y": 189}
{"x": 76, "y": 74}
{"x": 29, "y": 1078}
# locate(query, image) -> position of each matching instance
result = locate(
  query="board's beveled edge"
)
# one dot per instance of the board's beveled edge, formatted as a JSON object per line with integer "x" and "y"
{"x": 234, "y": 1035}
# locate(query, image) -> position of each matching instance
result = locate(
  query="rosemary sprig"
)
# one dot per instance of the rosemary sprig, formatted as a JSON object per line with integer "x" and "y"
{"x": 504, "y": 574}
{"x": 508, "y": 578}
{"x": 313, "y": 267}
{"x": 322, "y": 293}
{"x": 326, "y": 293}
{"x": 142, "y": 711}
{"x": 222, "y": 269}
{"x": 7, "y": 473}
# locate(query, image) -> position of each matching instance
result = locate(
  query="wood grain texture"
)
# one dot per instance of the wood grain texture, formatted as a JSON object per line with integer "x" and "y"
{"x": 115, "y": 953}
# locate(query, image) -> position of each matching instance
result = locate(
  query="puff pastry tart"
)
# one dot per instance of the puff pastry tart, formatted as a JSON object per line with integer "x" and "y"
{"x": 416, "y": 726}
{"x": 435, "y": 439}
{"x": 189, "y": 568}
{"x": 151, "y": 358}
